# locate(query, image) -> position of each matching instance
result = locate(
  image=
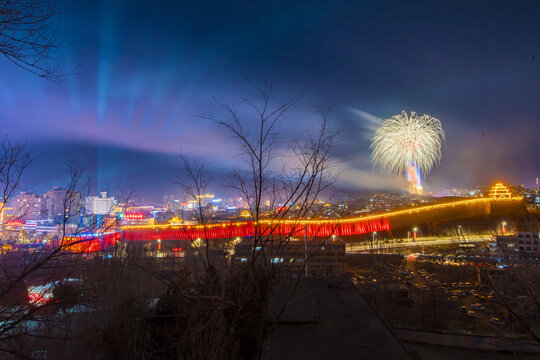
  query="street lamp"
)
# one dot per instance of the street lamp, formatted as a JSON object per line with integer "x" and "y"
{"x": 504, "y": 227}
{"x": 414, "y": 232}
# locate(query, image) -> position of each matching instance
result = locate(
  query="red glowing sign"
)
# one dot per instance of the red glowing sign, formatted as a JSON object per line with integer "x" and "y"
{"x": 134, "y": 216}
{"x": 14, "y": 223}
{"x": 178, "y": 249}
{"x": 37, "y": 299}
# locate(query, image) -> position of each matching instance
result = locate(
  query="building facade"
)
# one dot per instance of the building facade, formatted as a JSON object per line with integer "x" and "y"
{"x": 27, "y": 206}
{"x": 327, "y": 259}
{"x": 100, "y": 205}
{"x": 519, "y": 245}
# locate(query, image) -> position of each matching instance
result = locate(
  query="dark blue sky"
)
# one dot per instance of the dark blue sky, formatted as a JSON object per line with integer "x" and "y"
{"x": 141, "y": 71}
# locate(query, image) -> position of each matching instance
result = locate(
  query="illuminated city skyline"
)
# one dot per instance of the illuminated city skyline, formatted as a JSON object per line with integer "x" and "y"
{"x": 138, "y": 77}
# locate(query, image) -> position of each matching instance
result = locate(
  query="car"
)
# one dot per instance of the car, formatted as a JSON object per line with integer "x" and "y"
{"x": 463, "y": 309}
{"x": 478, "y": 307}
{"x": 453, "y": 298}
{"x": 471, "y": 314}
{"x": 496, "y": 321}
{"x": 468, "y": 284}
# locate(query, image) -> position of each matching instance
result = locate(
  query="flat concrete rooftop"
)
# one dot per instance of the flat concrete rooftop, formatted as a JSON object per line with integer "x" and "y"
{"x": 327, "y": 319}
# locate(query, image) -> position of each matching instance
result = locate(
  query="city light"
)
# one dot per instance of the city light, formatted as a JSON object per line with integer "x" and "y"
{"x": 312, "y": 227}
{"x": 414, "y": 210}
{"x": 179, "y": 196}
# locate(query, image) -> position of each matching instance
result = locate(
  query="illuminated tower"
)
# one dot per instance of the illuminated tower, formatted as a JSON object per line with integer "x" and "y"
{"x": 499, "y": 191}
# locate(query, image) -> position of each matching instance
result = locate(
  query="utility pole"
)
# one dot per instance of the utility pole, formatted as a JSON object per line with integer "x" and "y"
{"x": 305, "y": 249}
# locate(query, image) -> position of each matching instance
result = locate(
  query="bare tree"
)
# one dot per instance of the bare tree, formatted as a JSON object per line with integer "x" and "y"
{"x": 290, "y": 174}
{"x": 194, "y": 185}
{"x": 214, "y": 312}
{"x": 48, "y": 270}
{"x": 516, "y": 286}
{"x": 15, "y": 157}
{"x": 28, "y": 35}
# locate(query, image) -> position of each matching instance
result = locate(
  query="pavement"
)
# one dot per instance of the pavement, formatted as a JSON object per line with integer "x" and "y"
{"x": 327, "y": 319}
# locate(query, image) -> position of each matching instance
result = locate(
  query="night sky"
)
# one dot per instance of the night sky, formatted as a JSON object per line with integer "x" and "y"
{"x": 141, "y": 71}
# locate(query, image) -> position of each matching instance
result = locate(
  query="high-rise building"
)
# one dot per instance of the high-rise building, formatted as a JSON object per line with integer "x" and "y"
{"x": 59, "y": 202}
{"x": 27, "y": 206}
{"x": 54, "y": 199}
{"x": 100, "y": 205}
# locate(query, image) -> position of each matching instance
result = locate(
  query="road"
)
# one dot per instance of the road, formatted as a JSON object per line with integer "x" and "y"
{"x": 425, "y": 241}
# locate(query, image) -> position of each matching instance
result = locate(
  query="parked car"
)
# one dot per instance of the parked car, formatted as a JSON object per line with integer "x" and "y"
{"x": 478, "y": 307}
{"x": 496, "y": 321}
{"x": 471, "y": 314}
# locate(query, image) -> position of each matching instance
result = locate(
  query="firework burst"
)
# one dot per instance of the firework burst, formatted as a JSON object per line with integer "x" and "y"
{"x": 406, "y": 143}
